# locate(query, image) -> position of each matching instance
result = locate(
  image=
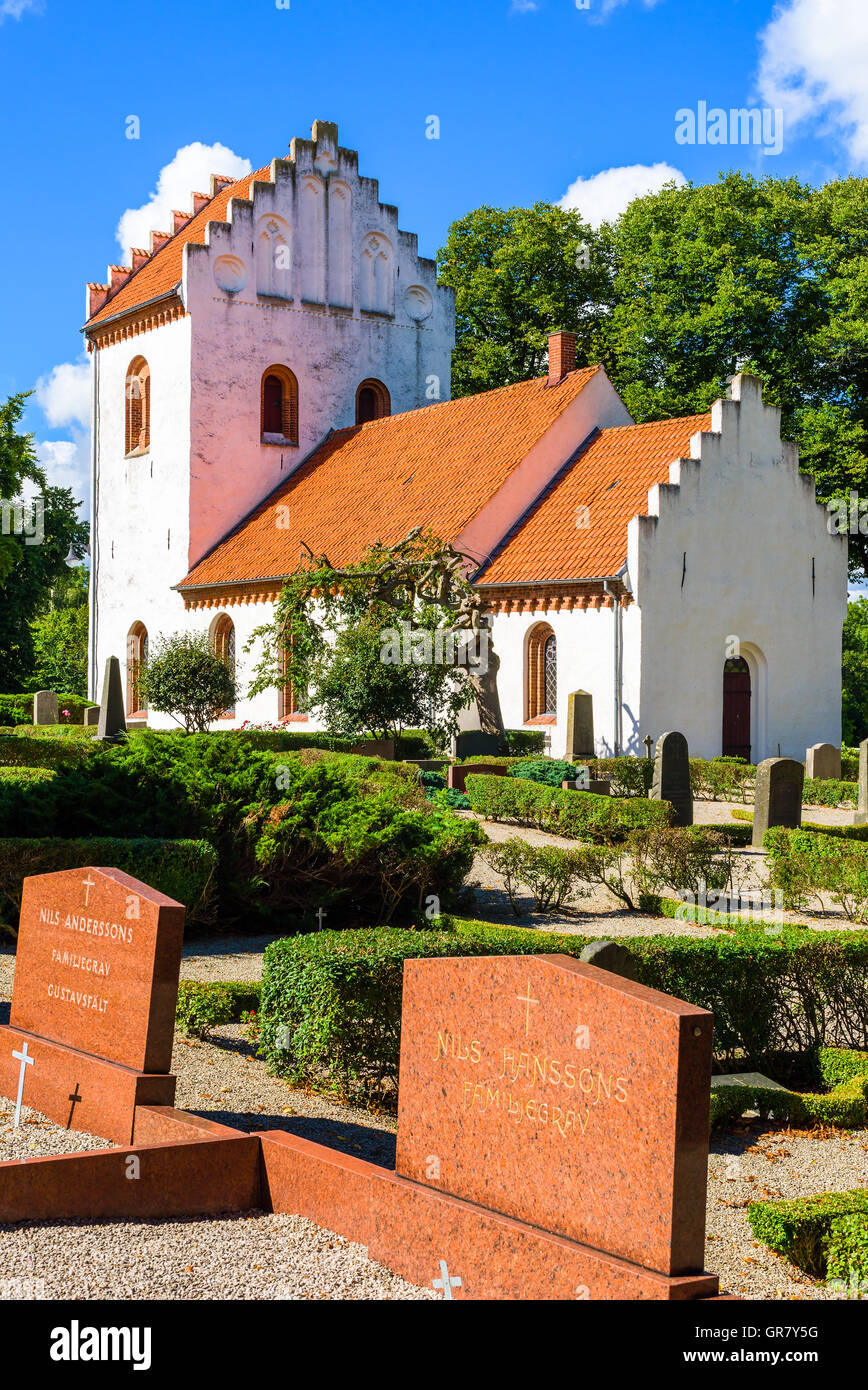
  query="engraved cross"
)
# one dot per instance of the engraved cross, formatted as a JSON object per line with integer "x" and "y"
{"x": 527, "y": 1001}
{"x": 87, "y": 884}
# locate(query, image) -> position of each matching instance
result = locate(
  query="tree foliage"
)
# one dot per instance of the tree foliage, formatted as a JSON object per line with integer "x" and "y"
{"x": 186, "y": 679}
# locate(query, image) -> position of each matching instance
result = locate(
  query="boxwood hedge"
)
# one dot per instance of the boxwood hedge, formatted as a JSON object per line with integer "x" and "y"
{"x": 801, "y": 1228}
{"x": 775, "y": 999}
{"x": 575, "y": 815}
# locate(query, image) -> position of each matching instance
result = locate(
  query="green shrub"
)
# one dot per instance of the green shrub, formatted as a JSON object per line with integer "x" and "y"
{"x": 551, "y": 772}
{"x": 846, "y": 1251}
{"x": 554, "y": 876}
{"x": 803, "y": 863}
{"x": 575, "y": 815}
{"x": 680, "y": 858}
{"x": 432, "y": 782}
{"x": 525, "y": 742}
{"x": 820, "y": 791}
{"x": 841, "y": 1064}
{"x": 21, "y": 776}
{"x": 453, "y": 798}
{"x": 725, "y": 779}
{"x": 185, "y": 678}
{"x": 800, "y": 1227}
{"x": 628, "y": 776}
{"x": 849, "y": 764}
{"x": 25, "y": 750}
{"x": 182, "y": 869}
{"x": 202, "y": 1007}
{"x": 774, "y": 998}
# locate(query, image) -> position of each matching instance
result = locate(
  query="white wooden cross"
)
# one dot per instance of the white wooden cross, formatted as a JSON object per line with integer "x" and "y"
{"x": 447, "y": 1282}
{"x": 25, "y": 1063}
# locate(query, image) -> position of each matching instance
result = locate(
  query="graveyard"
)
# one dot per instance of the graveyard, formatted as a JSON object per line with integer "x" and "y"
{"x": 564, "y": 1064}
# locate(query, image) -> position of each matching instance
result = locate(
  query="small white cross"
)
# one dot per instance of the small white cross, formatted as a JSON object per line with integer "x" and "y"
{"x": 319, "y": 916}
{"x": 447, "y": 1282}
{"x": 87, "y": 884}
{"x": 25, "y": 1063}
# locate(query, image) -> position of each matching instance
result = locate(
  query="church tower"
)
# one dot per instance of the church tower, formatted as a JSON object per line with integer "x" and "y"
{"x": 281, "y": 306}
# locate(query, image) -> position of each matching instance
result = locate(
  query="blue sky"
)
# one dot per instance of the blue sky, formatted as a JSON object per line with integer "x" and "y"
{"x": 532, "y": 96}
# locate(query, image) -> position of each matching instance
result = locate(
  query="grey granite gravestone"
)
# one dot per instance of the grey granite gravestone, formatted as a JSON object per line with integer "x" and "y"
{"x": 91, "y": 715}
{"x": 112, "y": 721}
{"x": 823, "y": 760}
{"x": 672, "y": 777}
{"x": 610, "y": 955}
{"x": 45, "y": 707}
{"x": 861, "y": 816}
{"x": 580, "y": 726}
{"x": 777, "y": 799}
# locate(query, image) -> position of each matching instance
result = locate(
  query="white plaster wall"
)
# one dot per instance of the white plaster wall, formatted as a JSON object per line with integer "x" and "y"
{"x": 749, "y": 526}
{"x": 238, "y": 334}
{"x": 141, "y": 520}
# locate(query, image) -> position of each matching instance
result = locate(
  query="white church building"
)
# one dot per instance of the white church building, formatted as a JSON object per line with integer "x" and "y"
{"x": 273, "y": 372}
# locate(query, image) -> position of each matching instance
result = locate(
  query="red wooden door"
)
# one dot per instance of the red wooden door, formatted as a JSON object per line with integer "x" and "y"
{"x": 736, "y": 709}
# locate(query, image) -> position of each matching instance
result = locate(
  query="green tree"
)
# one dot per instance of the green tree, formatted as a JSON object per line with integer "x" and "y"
{"x": 59, "y": 635}
{"x": 519, "y": 274}
{"x": 33, "y": 554}
{"x": 854, "y": 673}
{"x": 185, "y": 678}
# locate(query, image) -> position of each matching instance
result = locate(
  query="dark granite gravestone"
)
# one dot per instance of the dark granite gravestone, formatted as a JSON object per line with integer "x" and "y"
{"x": 112, "y": 721}
{"x": 610, "y": 955}
{"x": 473, "y": 743}
{"x": 45, "y": 707}
{"x": 778, "y": 796}
{"x": 580, "y": 726}
{"x": 672, "y": 777}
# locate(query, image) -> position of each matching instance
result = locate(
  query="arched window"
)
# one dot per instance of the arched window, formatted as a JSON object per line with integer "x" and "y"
{"x": 137, "y": 657}
{"x": 542, "y": 673}
{"x": 372, "y": 402}
{"x": 377, "y": 289}
{"x": 273, "y": 258}
{"x": 290, "y": 700}
{"x": 223, "y": 639}
{"x": 137, "y": 408}
{"x": 279, "y": 411}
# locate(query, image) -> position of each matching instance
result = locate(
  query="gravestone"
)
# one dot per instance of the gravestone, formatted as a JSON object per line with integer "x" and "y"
{"x": 96, "y": 986}
{"x": 475, "y": 744}
{"x": 600, "y": 786}
{"x": 823, "y": 760}
{"x": 580, "y": 726}
{"x": 562, "y": 1096}
{"x": 671, "y": 780}
{"x": 377, "y": 748}
{"x": 112, "y": 721}
{"x": 456, "y": 777}
{"x": 91, "y": 715}
{"x": 861, "y": 816}
{"x": 611, "y": 955}
{"x": 45, "y": 707}
{"x": 777, "y": 797}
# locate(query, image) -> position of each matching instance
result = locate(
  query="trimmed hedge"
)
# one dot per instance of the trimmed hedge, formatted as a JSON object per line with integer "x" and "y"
{"x": 206, "y": 1004}
{"x": 19, "y": 776}
{"x": 846, "y": 1251}
{"x": 774, "y": 999}
{"x": 575, "y": 815}
{"x": 844, "y": 1107}
{"x": 25, "y": 750}
{"x": 826, "y": 791}
{"x": 183, "y": 869}
{"x": 629, "y": 776}
{"x": 800, "y": 1228}
{"x": 806, "y": 862}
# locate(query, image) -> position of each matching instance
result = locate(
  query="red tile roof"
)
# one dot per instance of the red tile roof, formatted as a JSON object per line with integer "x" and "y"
{"x": 162, "y": 271}
{"x": 578, "y": 530}
{"x": 435, "y": 467}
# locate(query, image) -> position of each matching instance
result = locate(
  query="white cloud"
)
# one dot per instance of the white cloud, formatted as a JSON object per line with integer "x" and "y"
{"x": 64, "y": 394}
{"x": 189, "y": 172}
{"x": 14, "y": 9}
{"x": 67, "y": 464}
{"x": 604, "y": 196}
{"x": 813, "y": 60}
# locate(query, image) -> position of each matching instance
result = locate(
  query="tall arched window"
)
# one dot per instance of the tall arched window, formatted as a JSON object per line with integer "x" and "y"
{"x": 372, "y": 402}
{"x": 223, "y": 639}
{"x": 290, "y": 700}
{"x": 137, "y": 657}
{"x": 279, "y": 410}
{"x": 542, "y": 673}
{"x": 137, "y": 408}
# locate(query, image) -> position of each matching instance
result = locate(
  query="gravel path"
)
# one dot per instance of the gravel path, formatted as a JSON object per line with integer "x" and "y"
{"x": 38, "y": 1137}
{"x": 753, "y": 1162}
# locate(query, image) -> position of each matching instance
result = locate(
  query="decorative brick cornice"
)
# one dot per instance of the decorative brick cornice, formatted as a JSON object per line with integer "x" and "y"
{"x": 503, "y": 598}
{"x": 140, "y": 320}
{"x": 231, "y": 595}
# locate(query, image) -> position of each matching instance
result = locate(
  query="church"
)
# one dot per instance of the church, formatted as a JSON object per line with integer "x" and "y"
{"x": 273, "y": 372}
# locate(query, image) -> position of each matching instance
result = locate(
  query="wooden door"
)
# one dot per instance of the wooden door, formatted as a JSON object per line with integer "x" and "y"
{"x": 736, "y": 709}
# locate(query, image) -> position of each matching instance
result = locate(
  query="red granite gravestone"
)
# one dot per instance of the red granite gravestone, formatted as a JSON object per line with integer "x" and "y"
{"x": 96, "y": 987}
{"x": 562, "y": 1095}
